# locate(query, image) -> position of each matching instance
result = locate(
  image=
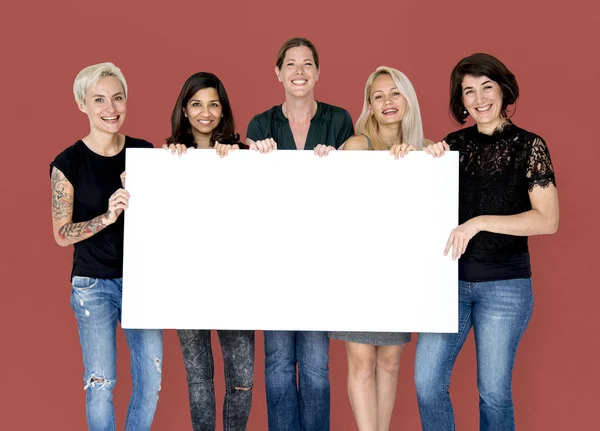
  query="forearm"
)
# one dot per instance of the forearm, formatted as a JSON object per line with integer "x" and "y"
{"x": 72, "y": 233}
{"x": 532, "y": 222}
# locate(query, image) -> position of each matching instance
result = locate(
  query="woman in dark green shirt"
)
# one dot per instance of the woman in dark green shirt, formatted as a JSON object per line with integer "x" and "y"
{"x": 300, "y": 123}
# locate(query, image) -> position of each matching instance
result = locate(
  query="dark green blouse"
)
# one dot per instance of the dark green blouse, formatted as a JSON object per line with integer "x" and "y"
{"x": 330, "y": 126}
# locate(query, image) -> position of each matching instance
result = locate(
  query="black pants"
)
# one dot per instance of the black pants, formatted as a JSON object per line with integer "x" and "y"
{"x": 238, "y": 358}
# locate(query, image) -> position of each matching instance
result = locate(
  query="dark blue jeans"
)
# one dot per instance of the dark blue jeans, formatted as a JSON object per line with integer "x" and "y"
{"x": 499, "y": 312}
{"x": 305, "y": 406}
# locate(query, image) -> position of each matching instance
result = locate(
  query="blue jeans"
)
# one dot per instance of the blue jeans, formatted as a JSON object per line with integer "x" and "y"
{"x": 499, "y": 312}
{"x": 97, "y": 306}
{"x": 305, "y": 406}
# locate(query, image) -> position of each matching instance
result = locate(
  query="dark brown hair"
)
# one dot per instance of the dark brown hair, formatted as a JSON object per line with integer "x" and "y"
{"x": 477, "y": 65}
{"x": 181, "y": 129}
{"x": 293, "y": 43}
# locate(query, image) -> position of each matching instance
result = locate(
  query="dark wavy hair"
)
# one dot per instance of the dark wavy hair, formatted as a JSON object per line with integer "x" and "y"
{"x": 181, "y": 129}
{"x": 293, "y": 43}
{"x": 477, "y": 65}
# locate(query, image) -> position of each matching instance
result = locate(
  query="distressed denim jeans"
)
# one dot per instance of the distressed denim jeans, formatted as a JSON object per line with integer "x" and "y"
{"x": 305, "y": 406}
{"x": 238, "y": 361}
{"x": 97, "y": 306}
{"x": 499, "y": 312}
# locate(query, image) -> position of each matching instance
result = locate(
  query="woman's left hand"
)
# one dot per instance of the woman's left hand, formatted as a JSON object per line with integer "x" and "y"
{"x": 437, "y": 149}
{"x": 322, "y": 150}
{"x": 460, "y": 237}
{"x": 178, "y": 149}
{"x": 223, "y": 149}
{"x": 400, "y": 150}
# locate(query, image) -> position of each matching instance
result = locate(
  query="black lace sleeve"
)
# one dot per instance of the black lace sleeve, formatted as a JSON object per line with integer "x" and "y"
{"x": 539, "y": 170}
{"x": 453, "y": 140}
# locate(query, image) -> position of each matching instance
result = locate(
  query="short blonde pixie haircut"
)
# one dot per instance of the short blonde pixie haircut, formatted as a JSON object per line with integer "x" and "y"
{"x": 412, "y": 126}
{"x": 90, "y": 76}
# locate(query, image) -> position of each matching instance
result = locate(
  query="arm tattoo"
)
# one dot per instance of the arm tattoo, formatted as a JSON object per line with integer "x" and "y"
{"x": 62, "y": 202}
{"x": 62, "y": 206}
{"x": 75, "y": 232}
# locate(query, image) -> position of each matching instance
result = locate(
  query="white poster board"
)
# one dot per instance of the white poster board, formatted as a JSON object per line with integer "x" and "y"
{"x": 353, "y": 241}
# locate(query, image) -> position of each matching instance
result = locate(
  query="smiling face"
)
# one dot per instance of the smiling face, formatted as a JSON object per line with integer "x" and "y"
{"x": 105, "y": 105}
{"x": 204, "y": 111}
{"x": 386, "y": 103}
{"x": 298, "y": 72}
{"x": 482, "y": 98}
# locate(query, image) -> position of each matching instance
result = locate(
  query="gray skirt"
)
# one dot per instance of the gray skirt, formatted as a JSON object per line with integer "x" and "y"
{"x": 374, "y": 338}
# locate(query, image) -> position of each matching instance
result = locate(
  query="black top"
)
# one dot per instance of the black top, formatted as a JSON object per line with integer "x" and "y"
{"x": 330, "y": 126}
{"x": 94, "y": 179}
{"x": 495, "y": 175}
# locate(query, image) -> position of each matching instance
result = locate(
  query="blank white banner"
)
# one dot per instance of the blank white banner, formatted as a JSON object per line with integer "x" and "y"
{"x": 349, "y": 242}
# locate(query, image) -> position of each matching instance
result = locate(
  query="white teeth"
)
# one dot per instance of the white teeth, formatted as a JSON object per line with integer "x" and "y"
{"x": 483, "y": 109}
{"x": 388, "y": 111}
{"x": 205, "y": 121}
{"x": 109, "y": 118}
{"x": 299, "y": 82}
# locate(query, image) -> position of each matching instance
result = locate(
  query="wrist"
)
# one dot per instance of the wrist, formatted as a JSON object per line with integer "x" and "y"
{"x": 480, "y": 223}
{"x": 105, "y": 219}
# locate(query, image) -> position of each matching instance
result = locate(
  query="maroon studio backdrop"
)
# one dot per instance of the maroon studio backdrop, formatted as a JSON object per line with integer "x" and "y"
{"x": 552, "y": 49}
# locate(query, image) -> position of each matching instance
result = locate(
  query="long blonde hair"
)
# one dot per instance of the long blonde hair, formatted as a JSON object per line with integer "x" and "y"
{"x": 412, "y": 127}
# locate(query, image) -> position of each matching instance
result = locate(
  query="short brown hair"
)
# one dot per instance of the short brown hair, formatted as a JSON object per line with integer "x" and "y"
{"x": 477, "y": 65}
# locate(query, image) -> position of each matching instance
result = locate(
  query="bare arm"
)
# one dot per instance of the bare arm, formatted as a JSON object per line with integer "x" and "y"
{"x": 541, "y": 219}
{"x": 65, "y": 231}
{"x": 356, "y": 143}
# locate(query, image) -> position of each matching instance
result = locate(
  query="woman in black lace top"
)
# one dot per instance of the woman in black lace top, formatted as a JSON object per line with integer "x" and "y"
{"x": 507, "y": 193}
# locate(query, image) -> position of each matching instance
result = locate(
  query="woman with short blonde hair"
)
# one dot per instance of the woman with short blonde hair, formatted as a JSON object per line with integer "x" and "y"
{"x": 88, "y": 199}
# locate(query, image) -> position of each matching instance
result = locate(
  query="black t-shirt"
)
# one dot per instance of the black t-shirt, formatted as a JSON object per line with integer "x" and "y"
{"x": 496, "y": 174}
{"x": 330, "y": 126}
{"x": 94, "y": 179}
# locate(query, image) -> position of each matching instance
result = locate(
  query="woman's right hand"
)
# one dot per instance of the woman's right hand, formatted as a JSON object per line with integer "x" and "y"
{"x": 264, "y": 146}
{"x": 117, "y": 203}
{"x": 175, "y": 148}
{"x": 437, "y": 149}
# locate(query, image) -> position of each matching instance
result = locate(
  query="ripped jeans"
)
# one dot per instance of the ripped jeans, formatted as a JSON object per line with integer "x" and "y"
{"x": 97, "y": 306}
{"x": 238, "y": 360}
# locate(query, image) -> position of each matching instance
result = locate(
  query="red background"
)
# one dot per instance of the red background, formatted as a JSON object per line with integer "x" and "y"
{"x": 552, "y": 50}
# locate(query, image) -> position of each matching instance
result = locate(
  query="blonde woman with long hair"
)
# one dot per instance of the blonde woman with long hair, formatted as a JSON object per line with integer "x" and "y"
{"x": 390, "y": 121}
